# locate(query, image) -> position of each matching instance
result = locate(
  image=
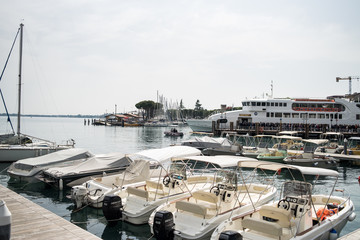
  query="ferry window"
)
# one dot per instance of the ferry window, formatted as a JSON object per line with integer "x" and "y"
{"x": 276, "y": 104}
{"x": 263, "y": 104}
{"x": 304, "y": 115}
{"x": 272, "y": 114}
{"x": 340, "y": 116}
{"x": 258, "y": 104}
{"x": 267, "y": 104}
{"x": 295, "y": 115}
{"x": 303, "y": 105}
{"x": 340, "y": 107}
{"x": 321, "y": 116}
{"x": 327, "y": 116}
{"x": 272, "y": 104}
{"x": 253, "y": 104}
{"x": 286, "y": 115}
{"x": 358, "y": 105}
{"x": 312, "y": 115}
{"x": 280, "y": 104}
{"x": 313, "y": 105}
{"x": 267, "y": 114}
{"x": 336, "y": 116}
{"x": 331, "y": 116}
{"x": 278, "y": 114}
{"x": 357, "y": 116}
{"x": 285, "y": 104}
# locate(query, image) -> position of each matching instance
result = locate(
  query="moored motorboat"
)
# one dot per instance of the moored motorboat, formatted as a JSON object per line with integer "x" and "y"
{"x": 298, "y": 214}
{"x": 173, "y": 133}
{"x": 26, "y": 169}
{"x": 98, "y": 165}
{"x": 196, "y": 216}
{"x": 140, "y": 201}
{"x": 309, "y": 159}
{"x": 146, "y": 165}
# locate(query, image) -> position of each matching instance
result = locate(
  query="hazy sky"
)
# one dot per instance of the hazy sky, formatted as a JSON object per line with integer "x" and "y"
{"x": 83, "y": 57}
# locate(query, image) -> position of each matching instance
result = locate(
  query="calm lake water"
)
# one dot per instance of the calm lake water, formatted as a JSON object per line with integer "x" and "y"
{"x": 101, "y": 139}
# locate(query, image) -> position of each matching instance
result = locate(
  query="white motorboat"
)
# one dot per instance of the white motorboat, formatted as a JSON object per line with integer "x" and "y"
{"x": 98, "y": 165}
{"x": 207, "y": 142}
{"x": 20, "y": 146}
{"x": 259, "y": 145}
{"x": 138, "y": 202}
{"x": 309, "y": 159}
{"x": 26, "y": 169}
{"x": 196, "y": 216}
{"x": 145, "y": 165}
{"x": 298, "y": 214}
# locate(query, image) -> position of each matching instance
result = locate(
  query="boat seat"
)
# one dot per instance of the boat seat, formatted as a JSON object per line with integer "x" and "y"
{"x": 191, "y": 207}
{"x": 196, "y": 179}
{"x": 153, "y": 184}
{"x": 207, "y": 197}
{"x": 262, "y": 226}
{"x": 138, "y": 192}
{"x": 280, "y": 215}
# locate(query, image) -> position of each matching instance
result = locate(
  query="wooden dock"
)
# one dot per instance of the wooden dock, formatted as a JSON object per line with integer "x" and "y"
{"x": 30, "y": 221}
{"x": 355, "y": 235}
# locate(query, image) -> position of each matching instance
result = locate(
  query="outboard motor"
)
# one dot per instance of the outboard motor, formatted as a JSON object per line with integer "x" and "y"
{"x": 163, "y": 226}
{"x": 112, "y": 208}
{"x": 230, "y": 235}
{"x": 79, "y": 196}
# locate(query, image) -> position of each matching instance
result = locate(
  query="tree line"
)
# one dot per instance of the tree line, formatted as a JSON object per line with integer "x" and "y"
{"x": 150, "y": 109}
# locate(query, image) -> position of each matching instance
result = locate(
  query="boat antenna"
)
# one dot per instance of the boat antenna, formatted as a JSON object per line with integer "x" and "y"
{"x": 272, "y": 89}
{"x": 19, "y": 93}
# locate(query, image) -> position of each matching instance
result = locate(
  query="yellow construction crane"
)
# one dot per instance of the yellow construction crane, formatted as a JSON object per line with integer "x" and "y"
{"x": 349, "y": 79}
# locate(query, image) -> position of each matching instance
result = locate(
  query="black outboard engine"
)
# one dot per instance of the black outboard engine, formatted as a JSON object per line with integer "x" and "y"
{"x": 230, "y": 235}
{"x": 163, "y": 226}
{"x": 112, "y": 208}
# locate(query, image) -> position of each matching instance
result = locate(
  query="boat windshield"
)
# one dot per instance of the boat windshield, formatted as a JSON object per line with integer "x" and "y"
{"x": 229, "y": 179}
{"x": 296, "y": 188}
{"x": 178, "y": 171}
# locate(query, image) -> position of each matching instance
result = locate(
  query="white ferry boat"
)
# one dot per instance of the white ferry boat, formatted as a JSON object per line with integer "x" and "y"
{"x": 334, "y": 110}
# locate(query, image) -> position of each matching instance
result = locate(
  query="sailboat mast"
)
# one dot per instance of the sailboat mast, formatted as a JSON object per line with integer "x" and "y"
{"x": 19, "y": 91}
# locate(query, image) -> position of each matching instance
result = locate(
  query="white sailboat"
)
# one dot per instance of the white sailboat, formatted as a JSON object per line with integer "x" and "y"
{"x": 14, "y": 147}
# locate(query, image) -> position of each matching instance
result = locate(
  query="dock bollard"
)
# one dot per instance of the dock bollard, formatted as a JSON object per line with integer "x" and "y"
{"x": 5, "y": 221}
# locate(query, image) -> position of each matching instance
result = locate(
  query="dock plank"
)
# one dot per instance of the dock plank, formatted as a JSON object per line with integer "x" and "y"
{"x": 30, "y": 221}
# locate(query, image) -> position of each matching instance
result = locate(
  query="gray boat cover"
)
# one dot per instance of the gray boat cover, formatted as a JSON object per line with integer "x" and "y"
{"x": 97, "y": 163}
{"x": 52, "y": 158}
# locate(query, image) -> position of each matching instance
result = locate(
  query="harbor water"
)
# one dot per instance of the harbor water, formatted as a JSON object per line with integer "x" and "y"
{"x": 106, "y": 139}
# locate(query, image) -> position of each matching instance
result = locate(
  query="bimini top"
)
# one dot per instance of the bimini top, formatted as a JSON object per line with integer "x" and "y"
{"x": 164, "y": 155}
{"x": 316, "y": 141}
{"x": 222, "y": 161}
{"x": 277, "y": 166}
{"x": 287, "y": 137}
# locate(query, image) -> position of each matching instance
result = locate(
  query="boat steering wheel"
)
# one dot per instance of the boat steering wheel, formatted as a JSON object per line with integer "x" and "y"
{"x": 215, "y": 190}
{"x": 284, "y": 204}
{"x": 166, "y": 180}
